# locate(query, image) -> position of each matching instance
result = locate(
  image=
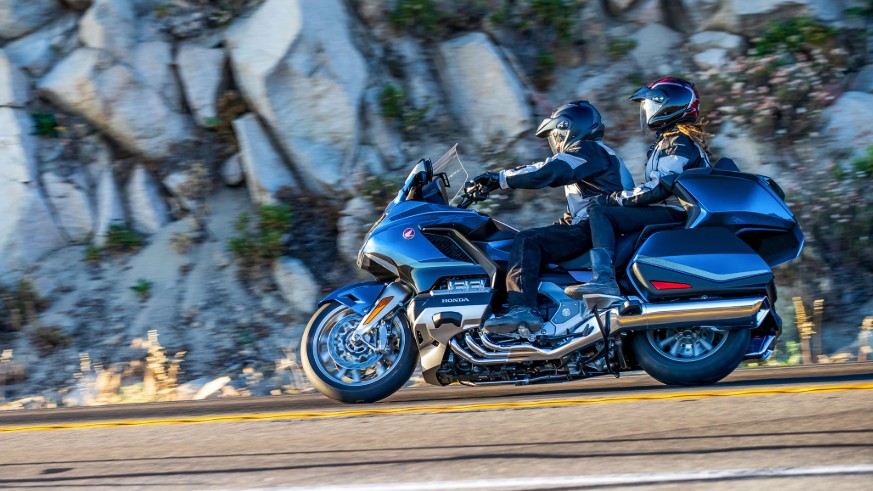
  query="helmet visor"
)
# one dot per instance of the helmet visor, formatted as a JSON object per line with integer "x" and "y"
{"x": 555, "y": 141}
{"x": 648, "y": 108}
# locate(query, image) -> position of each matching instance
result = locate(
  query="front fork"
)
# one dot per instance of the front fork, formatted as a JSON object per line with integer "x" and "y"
{"x": 393, "y": 296}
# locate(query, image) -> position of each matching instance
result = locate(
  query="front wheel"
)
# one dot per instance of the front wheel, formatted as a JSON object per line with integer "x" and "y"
{"x": 690, "y": 356}
{"x": 350, "y": 371}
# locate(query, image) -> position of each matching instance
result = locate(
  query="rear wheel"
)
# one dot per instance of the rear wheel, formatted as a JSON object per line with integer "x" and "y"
{"x": 690, "y": 356}
{"x": 352, "y": 371}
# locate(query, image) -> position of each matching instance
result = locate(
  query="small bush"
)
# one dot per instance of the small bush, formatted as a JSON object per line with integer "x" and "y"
{"x": 122, "y": 239}
{"x": 391, "y": 101}
{"x": 143, "y": 288}
{"x": 48, "y": 339}
{"x": 415, "y": 15}
{"x": 258, "y": 244}
{"x": 92, "y": 253}
{"x": 46, "y": 124}
{"x": 19, "y": 306}
{"x": 378, "y": 190}
{"x": 619, "y": 47}
{"x": 795, "y": 35}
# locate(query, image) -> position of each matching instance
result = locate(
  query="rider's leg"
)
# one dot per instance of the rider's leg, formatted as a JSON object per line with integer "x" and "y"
{"x": 606, "y": 224}
{"x": 530, "y": 250}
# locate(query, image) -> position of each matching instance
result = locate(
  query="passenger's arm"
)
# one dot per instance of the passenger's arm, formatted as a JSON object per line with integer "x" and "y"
{"x": 653, "y": 191}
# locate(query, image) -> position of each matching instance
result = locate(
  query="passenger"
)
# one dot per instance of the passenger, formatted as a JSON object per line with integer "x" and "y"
{"x": 669, "y": 107}
{"x": 586, "y": 168}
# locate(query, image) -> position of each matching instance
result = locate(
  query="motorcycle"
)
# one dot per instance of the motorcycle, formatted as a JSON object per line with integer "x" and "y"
{"x": 697, "y": 297}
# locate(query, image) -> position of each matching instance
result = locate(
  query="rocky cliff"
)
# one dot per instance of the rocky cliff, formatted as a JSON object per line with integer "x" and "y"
{"x": 207, "y": 169}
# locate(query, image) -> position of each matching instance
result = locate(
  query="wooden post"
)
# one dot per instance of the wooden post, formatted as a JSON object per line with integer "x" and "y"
{"x": 818, "y": 331}
{"x": 864, "y": 348}
{"x": 805, "y": 329}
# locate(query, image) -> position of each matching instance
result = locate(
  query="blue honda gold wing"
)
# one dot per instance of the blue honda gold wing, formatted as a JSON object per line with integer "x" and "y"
{"x": 697, "y": 297}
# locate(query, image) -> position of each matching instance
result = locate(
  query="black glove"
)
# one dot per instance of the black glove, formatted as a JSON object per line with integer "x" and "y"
{"x": 604, "y": 200}
{"x": 487, "y": 182}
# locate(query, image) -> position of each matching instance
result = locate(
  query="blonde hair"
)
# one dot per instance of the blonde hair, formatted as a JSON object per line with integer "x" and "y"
{"x": 697, "y": 132}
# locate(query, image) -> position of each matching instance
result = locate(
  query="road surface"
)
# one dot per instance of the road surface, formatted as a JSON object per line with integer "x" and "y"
{"x": 795, "y": 428}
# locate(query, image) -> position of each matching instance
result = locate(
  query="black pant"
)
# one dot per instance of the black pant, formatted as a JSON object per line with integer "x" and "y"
{"x": 538, "y": 246}
{"x": 607, "y": 222}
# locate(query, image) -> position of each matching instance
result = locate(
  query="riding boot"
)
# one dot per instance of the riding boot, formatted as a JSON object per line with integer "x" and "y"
{"x": 603, "y": 280}
{"x": 512, "y": 320}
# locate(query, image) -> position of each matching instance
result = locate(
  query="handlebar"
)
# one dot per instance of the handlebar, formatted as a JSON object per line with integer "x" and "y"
{"x": 473, "y": 193}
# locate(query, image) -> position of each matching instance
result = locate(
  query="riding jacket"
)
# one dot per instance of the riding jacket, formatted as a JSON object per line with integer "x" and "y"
{"x": 587, "y": 169}
{"x": 672, "y": 153}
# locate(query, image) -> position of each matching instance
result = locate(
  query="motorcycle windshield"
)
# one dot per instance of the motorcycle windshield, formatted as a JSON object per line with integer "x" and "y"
{"x": 456, "y": 175}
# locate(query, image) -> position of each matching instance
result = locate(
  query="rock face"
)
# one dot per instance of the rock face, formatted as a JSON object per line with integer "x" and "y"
{"x": 265, "y": 169}
{"x": 153, "y": 61}
{"x": 14, "y": 87}
{"x": 27, "y": 231}
{"x": 711, "y": 59}
{"x": 147, "y": 209}
{"x": 848, "y": 123}
{"x": 202, "y": 73}
{"x": 72, "y": 205}
{"x": 17, "y": 147}
{"x": 715, "y": 40}
{"x": 232, "y": 171}
{"x": 297, "y": 66}
{"x": 492, "y": 106}
{"x": 36, "y": 52}
{"x": 653, "y": 52}
{"x": 355, "y": 220}
{"x": 749, "y": 17}
{"x": 110, "y": 209}
{"x": 18, "y": 17}
{"x": 296, "y": 283}
{"x": 115, "y": 99}
{"x": 110, "y": 25}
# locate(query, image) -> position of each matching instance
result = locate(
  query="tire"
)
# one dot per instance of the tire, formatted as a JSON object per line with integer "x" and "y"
{"x": 329, "y": 375}
{"x": 678, "y": 369}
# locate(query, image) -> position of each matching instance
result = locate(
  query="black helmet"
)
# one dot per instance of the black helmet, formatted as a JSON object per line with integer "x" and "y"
{"x": 571, "y": 123}
{"x": 667, "y": 101}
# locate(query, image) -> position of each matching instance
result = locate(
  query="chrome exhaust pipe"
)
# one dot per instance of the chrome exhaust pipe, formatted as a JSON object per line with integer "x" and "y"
{"x": 733, "y": 312}
{"x": 521, "y": 352}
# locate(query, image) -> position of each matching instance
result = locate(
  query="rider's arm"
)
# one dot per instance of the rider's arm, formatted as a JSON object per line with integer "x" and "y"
{"x": 672, "y": 159}
{"x": 559, "y": 170}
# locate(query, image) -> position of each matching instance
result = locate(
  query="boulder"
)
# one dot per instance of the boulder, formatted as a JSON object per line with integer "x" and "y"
{"x": 849, "y": 126}
{"x": 705, "y": 40}
{"x": 265, "y": 170}
{"x": 493, "y": 107}
{"x": 232, "y": 171}
{"x": 380, "y": 133}
{"x": 863, "y": 81}
{"x": 72, "y": 206}
{"x": 148, "y": 212}
{"x": 420, "y": 86}
{"x": 296, "y": 64}
{"x": 354, "y": 222}
{"x": 37, "y": 52}
{"x": 14, "y": 86}
{"x": 19, "y": 17}
{"x": 750, "y": 17}
{"x": 110, "y": 210}
{"x": 176, "y": 183}
{"x": 203, "y": 78}
{"x": 110, "y": 25}
{"x": 153, "y": 60}
{"x": 711, "y": 59}
{"x": 115, "y": 99}
{"x": 655, "y": 47}
{"x": 296, "y": 283}
{"x": 18, "y": 146}
{"x": 27, "y": 230}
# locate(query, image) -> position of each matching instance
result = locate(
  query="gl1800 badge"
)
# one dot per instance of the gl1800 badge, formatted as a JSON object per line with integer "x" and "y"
{"x": 408, "y": 234}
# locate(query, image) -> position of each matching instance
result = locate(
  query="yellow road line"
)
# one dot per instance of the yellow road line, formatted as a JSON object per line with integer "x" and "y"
{"x": 443, "y": 408}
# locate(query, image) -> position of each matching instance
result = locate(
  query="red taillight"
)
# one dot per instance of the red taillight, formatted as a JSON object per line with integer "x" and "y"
{"x": 669, "y": 285}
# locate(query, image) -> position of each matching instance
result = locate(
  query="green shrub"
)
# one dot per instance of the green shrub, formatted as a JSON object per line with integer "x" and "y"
{"x": 415, "y": 14}
{"x": 258, "y": 244}
{"x": 121, "y": 238}
{"x": 863, "y": 166}
{"x": 48, "y": 339}
{"x": 795, "y": 35}
{"x": 618, "y": 47}
{"x": 46, "y": 124}
{"x": 19, "y": 306}
{"x": 143, "y": 288}
{"x": 391, "y": 101}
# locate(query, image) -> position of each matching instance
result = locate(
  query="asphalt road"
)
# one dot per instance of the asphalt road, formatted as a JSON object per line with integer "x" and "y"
{"x": 795, "y": 428}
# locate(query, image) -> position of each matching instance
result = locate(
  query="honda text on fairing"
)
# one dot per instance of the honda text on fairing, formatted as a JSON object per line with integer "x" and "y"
{"x": 697, "y": 297}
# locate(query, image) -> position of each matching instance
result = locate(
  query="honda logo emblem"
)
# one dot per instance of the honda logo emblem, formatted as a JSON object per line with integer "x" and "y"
{"x": 408, "y": 234}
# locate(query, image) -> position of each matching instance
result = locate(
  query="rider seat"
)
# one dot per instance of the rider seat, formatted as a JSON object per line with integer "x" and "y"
{"x": 624, "y": 247}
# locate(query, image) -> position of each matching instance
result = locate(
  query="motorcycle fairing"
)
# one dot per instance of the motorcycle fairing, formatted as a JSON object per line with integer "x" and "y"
{"x": 358, "y": 296}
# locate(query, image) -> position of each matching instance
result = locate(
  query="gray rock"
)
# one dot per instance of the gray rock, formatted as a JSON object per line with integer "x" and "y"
{"x": 849, "y": 126}
{"x": 27, "y": 230}
{"x": 114, "y": 99}
{"x": 14, "y": 86}
{"x": 176, "y": 183}
{"x": 153, "y": 61}
{"x": 37, "y": 52}
{"x": 863, "y": 81}
{"x": 110, "y": 209}
{"x": 420, "y": 83}
{"x": 749, "y": 17}
{"x": 711, "y": 59}
{"x": 17, "y": 146}
{"x": 232, "y": 171}
{"x": 148, "y": 212}
{"x": 203, "y": 78}
{"x": 379, "y": 133}
{"x": 715, "y": 39}
{"x": 654, "y": 51}
{"x": 494, "y": 107}
{"x": 19, "y": 17}
{"x": 296, "y": 283}
{"x": 295, "y": 61}
{"x": 71, "y": 204}
{"x": 110, "y": 25}
{"x": 265, "y": 169}
{"x": 352, "y": 226}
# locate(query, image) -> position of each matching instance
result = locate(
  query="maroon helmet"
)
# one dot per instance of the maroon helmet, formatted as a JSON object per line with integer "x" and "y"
{"x": 666, "y": 102}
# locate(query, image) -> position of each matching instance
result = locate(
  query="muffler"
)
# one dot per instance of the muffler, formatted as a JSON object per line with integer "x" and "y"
{"x": 738, "y": 313}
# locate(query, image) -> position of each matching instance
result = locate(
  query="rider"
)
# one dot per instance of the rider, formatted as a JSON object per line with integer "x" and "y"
{"x": 586, "y": 168}
{"x": 669, "y": 107}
